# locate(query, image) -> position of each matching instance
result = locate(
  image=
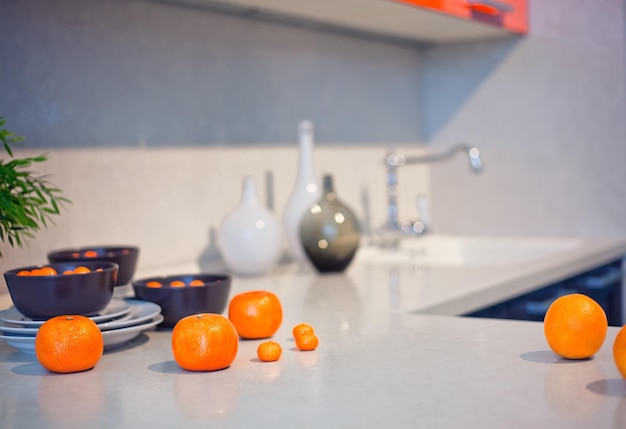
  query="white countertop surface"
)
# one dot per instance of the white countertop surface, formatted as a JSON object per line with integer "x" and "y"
{"x": 379, "y": 362}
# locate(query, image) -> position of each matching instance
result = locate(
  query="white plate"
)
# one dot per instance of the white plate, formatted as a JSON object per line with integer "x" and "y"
{"x": 140, "y": 312}
{"x": 11, "y": 328}
{"x": 112, "y": 339}
{"x": 116, "y": 308}
{"x": 118, "y": 337}
{"x": 24, "y": 344}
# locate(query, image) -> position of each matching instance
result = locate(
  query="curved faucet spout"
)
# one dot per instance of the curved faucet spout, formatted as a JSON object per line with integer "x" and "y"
{"x": 395, "y": 160}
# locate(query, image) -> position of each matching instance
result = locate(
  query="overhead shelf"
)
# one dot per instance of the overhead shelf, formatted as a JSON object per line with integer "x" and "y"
{"x": 387, "y": 18}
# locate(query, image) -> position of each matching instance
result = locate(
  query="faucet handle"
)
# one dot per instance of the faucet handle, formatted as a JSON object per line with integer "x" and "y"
{"x": 414, "y": 228}
{"x": 476, "y": 161}
{"x": 423, "y": 211}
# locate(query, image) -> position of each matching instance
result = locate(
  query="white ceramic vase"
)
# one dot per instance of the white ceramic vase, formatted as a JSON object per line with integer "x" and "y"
{"x": 306, "y": 191}
{"x": 250, "y": 237}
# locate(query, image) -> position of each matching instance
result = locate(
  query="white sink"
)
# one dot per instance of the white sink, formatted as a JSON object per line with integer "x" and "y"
{"x": 451, "y": 250}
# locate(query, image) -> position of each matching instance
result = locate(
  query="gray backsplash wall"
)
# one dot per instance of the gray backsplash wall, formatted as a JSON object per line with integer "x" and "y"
{"x": 549, "y": 113}
{"x": 142, "y": 72}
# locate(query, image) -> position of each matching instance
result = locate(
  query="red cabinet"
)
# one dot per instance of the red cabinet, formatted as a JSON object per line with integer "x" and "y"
{"x": 508, "y": 14}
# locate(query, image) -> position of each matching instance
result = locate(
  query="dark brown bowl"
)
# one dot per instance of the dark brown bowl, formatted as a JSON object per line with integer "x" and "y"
{"x": 42, "y": 297}
{"x": 179, "y": 302}
{"x": 124, "y": 256}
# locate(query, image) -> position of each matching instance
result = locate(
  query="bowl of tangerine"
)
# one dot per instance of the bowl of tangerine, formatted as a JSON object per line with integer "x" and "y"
{"x": 184, "y": 294}
{"x": 44, "y": 291}
{"x": 124, "y": 256}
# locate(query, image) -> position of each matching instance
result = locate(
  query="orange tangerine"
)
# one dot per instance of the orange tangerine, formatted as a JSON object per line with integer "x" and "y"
{"x": 153, "y": 284}
{"x": 301, "y": 329}
{"x": 69, "y": 344}
{"x": 575, "y": 326}
{"x": 48, "y": 271}
{"x": 307, "y": 342}
{"x": 255, "y": 314}
{"x": 619, "y": 351}
{"x": 269, "y": 351}
{"x": 81, "y": 270}
{"x": 204, "y": 342}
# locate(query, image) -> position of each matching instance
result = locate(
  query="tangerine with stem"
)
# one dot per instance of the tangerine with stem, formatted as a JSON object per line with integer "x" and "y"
{"x": 66, "y": 344}
{"x": 301, "y": 329}
{"x": 575, "y": 326}
{"x": 204, "y": 342}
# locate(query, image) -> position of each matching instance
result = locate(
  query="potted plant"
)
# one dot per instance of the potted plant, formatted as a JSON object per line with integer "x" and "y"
{"x": 27, "y": 201}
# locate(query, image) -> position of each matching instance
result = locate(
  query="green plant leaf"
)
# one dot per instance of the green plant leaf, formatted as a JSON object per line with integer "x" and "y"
{"x": 27, "y": 202}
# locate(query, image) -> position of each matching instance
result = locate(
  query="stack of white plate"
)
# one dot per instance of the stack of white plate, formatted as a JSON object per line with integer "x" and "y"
{"x": 121, "y": 321}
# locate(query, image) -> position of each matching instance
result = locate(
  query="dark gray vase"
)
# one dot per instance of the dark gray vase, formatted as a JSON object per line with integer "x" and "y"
{"x": 330, "y": 232}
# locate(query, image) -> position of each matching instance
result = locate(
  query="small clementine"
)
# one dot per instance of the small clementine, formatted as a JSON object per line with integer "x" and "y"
{"x": 196, "y": 282}
{"x": 67, "y": 344}
{"x": 575, "y": 326}
{"x": 302, "y": 328}
{"x": 177, "y": 283}
{"x": 269, "y": 351}
{"x": 48, "y": 271}
{"x": 43, "y": 271}
{"x": 255, "y": 314}
{"x": 153, "y": 284}
{"x": 204, "y": 342}
{"x": 81, "y": 270}
{"x": 307, "y": 342}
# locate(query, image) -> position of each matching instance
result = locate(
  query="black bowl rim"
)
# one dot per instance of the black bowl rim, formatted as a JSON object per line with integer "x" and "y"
{"x": 214, "y": 280}
{"x": 114, "y": 249}
{"x": 92, "y": 265}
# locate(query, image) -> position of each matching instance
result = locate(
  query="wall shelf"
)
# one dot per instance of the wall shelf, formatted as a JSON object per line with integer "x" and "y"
{"x": 383, "y": 18}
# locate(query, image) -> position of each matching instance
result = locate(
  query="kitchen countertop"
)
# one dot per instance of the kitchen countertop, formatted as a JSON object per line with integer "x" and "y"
{"x": 391, "y": 354}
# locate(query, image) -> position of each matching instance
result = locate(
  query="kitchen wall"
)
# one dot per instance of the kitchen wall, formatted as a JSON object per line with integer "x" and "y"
{"x": 103, "y": 73}
{"x": 550, "y": 117}
{"x": 153, "y": 113}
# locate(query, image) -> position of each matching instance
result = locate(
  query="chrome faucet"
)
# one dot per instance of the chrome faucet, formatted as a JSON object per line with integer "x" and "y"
{"x": 394, "y": 160}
